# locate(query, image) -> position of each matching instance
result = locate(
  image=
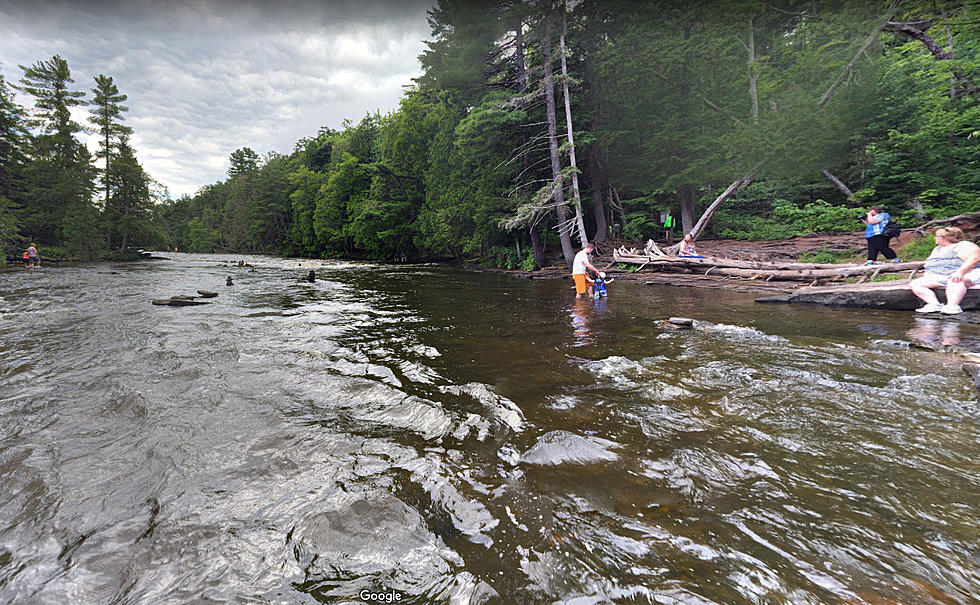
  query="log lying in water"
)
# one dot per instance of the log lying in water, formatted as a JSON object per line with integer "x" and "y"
{"x": 178, "y": 301}
{"x": 882, "y": 295}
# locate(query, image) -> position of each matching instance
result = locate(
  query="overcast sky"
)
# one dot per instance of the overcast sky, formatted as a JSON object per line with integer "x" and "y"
{"x": 207, "y": 77}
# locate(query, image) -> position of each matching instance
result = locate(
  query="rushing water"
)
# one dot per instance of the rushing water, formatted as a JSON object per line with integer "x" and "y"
{"x": 441, "y": 436}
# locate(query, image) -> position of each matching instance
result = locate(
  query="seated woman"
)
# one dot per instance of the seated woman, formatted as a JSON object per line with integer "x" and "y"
{"x": 687, "y": 248}
{"x": 952, "y": 265}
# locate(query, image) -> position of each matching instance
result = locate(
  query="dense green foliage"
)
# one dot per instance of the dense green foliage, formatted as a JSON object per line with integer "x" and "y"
{"x": 670, "y": 101}
{"x": 48, "y": 178}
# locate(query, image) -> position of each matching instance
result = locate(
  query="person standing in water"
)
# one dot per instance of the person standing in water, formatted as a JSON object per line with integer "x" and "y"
{"x": 579, "y": 266}
{"x": 33, "y": 256}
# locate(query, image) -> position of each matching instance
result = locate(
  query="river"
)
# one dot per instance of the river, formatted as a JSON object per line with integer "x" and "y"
{"x": 425, "y": 434}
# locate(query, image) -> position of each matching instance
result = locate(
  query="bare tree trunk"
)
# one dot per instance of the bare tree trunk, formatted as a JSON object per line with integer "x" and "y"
{"x": 576, "y": 195}
{"x": 864, "y": 159}
{"x": 549, "y": 96}
{"x": 617, "y": 206}
{"x": 753, "y": 74}
{"x": 688, "y": 196}
{"x": 703, "y": 221}
{"x": 598, "y": 207}
{"x": 849, "y": 68}
{"x": 952, "y": 53}
{"x": 125, "y": 230}
{"x": 917, "y": 30}
{"x": 537, "y": 246}
{"x": 837, "y": 183}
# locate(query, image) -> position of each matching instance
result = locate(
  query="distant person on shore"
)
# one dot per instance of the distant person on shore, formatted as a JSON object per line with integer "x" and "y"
{"x": 580, "y": 264}
{"x": 669, "y": 224}
{"x": 687, "y": 249}
{"x": 952, "y": 265}
{"x": 26, "y": 259}
{"x": 33, "y": 256}
{"x": 876, "y": 222}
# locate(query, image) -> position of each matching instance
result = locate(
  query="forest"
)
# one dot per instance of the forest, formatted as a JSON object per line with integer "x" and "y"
{"x": 536, "y": 125}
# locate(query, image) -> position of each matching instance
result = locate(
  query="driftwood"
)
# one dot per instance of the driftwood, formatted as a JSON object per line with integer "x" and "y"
{"x": 781, "y": 271}
{"x": 960, "y": 218}
{"x": 178, "y": 301}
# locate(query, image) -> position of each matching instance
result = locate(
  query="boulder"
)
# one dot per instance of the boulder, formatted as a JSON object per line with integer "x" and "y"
{"x": 879, "y": 295}
{"x": 559, "y": 447}
{"x": 974, "y": 372}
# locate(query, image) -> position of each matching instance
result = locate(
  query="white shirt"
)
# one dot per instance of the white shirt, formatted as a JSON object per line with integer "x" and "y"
{"x": 578, "y": 265}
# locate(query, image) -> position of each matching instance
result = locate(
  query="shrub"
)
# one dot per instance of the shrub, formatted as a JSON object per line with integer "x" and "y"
{"x": 825, "y": 256}
{"x": 918, "y": 248}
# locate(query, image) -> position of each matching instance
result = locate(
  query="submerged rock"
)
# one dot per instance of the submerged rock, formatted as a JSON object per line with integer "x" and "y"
{"x": 559, "y": 447}
{"x": 363, "y": 541}
{"x": 974, "y": 372}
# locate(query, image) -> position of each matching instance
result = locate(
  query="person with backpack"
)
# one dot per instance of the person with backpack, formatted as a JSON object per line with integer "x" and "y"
{"x": 879, "y": 231}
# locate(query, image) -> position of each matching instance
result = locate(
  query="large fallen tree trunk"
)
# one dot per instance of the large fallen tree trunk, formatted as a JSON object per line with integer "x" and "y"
{"x": 782, "y": 271}
{"x": 810, "y": 275}
{"x": 960, "y": 218}
{"x": 837, "y": 183}
{"x": 705, "y": 263}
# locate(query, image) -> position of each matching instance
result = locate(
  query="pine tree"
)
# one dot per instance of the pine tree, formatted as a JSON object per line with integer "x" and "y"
{"x": 60, "y": 175}
{"x": 107, "y": 110}
{"x": 130, "y": 187}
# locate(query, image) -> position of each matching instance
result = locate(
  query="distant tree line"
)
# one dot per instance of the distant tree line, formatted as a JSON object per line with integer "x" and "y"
{"x": 537, "y": 124}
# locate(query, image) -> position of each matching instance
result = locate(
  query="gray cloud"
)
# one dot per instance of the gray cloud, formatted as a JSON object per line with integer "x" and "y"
{"x": 205, "y": 78}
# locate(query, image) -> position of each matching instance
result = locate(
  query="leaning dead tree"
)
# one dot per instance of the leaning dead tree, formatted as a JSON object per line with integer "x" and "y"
{"x": 710, "y": 211}
{"x": 969, "y": 217}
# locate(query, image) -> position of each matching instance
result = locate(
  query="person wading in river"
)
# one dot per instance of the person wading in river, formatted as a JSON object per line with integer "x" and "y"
{"x": 579, "y": 266}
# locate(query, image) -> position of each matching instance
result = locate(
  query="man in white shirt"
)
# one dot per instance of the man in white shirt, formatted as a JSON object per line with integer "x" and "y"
{"x": 579, "y": 265}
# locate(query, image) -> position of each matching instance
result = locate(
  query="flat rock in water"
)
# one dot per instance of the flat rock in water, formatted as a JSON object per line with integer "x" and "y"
{"x": 559, "y": 447}
{"x": 681, "y": 321}
{"x": 161, "y": 301}
{"x": 876, "y": 295}
{"x": 207, "y": 293}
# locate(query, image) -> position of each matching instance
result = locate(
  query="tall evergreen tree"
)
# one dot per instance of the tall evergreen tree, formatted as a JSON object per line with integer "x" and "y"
{"x": 60, "y": 173}
{"x": 107, "y": 110}
{"x": 130, "y": 187}
{"x": 13, "y": 140}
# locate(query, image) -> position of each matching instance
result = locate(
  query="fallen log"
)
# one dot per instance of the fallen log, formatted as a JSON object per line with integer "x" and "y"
{"x": 968, "y": 217}
{"x": 177, "y": 301}
{"x": 771, "y": 270}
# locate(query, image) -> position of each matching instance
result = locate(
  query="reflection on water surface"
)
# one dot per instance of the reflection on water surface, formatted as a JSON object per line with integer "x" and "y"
{"x": 463, "y": 437}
